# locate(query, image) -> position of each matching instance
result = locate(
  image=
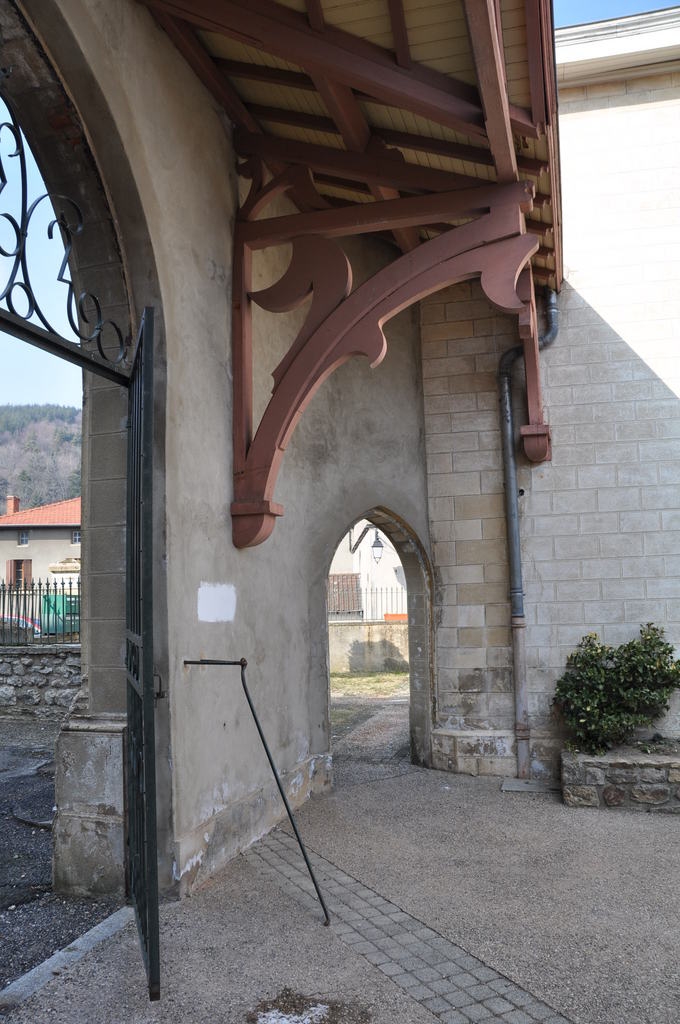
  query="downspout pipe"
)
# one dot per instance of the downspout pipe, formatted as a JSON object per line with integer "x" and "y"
{"x": 518, "y": 620}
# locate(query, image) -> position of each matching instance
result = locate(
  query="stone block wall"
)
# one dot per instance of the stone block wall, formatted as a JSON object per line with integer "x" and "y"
{"x": 601, "y": 522}
{"x": 38, "y": 682}
{"x": 462, "y": 340}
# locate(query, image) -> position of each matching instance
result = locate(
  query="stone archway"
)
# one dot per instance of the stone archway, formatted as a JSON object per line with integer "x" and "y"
{"x": 419, "y": 582}
{"x": 66, "y": 122}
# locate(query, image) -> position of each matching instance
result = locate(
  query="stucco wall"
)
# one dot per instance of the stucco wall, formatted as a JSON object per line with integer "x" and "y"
{"x": 349, "y": 454}
{"x": 368, "y": 646}
{"x": 44, "y": 548}
{"x": 358, "y": 446}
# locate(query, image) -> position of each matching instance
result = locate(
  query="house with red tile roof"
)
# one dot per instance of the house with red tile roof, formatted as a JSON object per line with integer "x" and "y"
{"x": 40, "y": 543}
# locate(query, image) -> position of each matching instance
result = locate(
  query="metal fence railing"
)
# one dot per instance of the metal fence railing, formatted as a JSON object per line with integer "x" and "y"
{"x": 41, "y": 612}
{"x": 350, "y": 603}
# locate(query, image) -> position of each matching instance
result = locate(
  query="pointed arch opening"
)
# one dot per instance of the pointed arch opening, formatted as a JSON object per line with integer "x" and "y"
{"x": 379, "y": 605}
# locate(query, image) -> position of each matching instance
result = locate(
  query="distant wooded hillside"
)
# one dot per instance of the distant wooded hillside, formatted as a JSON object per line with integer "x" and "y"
{"x": 39, "y": 453}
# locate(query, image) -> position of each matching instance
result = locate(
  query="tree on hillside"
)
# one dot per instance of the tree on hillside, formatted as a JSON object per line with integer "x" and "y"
{"x": 40, "y": 452}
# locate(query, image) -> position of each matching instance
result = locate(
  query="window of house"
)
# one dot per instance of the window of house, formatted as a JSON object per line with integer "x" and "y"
{"x": 19, "y": 572}
{"x": 23, "y": 537}
{"x": 75, "y": 537}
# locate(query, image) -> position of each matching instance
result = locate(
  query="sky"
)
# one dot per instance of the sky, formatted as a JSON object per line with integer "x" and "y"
{"x": 28, "y": 375}
{"x": 581, "y": 12}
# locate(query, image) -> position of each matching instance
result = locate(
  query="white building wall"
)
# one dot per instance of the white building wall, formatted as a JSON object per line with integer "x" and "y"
{"x": 601, "y": 521}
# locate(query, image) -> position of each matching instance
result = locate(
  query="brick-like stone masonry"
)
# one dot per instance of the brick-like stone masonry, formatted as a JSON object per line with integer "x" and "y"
{"x": 38, "y": 682}
{"x": 456, "y": 987}
{"x": 622, "y": 779}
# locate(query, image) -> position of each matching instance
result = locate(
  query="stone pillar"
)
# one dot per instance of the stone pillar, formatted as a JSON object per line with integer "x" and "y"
{"x": 89, "y": 829}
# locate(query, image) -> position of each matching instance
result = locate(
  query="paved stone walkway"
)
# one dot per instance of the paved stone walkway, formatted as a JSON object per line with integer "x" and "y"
{"x": 456, "y": 987}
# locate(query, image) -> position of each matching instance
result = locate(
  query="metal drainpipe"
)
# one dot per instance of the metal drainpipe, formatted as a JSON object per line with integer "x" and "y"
{"x": 518, "y": 621}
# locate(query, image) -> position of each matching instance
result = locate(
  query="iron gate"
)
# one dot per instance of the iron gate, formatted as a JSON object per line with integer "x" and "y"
{"x": 99, "y": 346}
{"x": 141, "y": 772}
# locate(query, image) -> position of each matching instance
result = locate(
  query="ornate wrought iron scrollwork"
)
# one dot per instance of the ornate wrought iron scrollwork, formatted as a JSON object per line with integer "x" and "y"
{"x": 22, "y": 245}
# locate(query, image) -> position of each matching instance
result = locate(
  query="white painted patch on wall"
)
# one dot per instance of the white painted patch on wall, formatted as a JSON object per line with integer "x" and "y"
{"x": 191, "y": 863}
{"x": 216, "y": 602}
{"x": 314, "y": 1015}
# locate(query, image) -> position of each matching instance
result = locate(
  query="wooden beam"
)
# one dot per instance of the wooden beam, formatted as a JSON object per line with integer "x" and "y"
{"x": 345, "y": 113}
{"x": 263, "y": 73}
{"x": 347, "y": 59}
{"x": 403, "y": 140}
{"x": 294, "y": 118}
{"x": 537, "y": 227}
{"x": 402, "y": 51}
{"x": 348, "y": 116}
{"x": 543, "y": 274}
{"x": 519, "y": 118}
{"x": 535, "y": 64}
{"x": 364, "y": 218}
{"x": 454, "y": 150}
{"x": 370, "y": 168}
{"x": 484, "y": 32}
{"x": 205, "y": 68}
{"x": 315, "y": 15}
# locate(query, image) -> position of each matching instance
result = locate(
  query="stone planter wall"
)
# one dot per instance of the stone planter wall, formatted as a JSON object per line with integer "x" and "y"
{"x": 38, "y": 682}
{"x": 624, "y": 778}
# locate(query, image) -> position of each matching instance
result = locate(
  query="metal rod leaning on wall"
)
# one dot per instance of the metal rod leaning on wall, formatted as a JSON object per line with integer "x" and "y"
{"x": 243, "y": 665}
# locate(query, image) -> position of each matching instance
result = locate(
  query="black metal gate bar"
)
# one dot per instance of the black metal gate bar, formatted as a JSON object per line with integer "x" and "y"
{"x": 55, "y": 345}
{"x": 141, "y": 769}
{"x": 243, "y": 664}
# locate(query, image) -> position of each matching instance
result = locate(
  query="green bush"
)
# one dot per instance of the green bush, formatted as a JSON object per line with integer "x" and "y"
{"x": 608, "y": 692}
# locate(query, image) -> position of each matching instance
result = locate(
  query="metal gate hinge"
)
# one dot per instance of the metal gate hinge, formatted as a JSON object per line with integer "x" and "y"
{"x": 159, "y": 692}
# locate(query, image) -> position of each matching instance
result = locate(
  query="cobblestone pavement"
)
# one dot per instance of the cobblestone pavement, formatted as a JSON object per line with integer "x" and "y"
{"x": 455, "y": 987}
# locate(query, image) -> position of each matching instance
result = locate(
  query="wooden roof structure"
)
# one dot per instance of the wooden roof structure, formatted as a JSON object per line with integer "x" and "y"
{"x": 384, "y": 96}
{"x": 405, "y": 118}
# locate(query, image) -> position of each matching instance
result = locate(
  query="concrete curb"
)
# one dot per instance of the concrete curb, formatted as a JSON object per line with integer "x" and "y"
{"x": 31, "y": 982}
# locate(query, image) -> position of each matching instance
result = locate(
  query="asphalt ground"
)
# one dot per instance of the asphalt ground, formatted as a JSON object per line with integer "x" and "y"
{"x": 34, "y": 921}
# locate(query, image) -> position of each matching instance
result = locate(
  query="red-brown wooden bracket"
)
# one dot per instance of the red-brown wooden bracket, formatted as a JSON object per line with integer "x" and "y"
{"x": 483, "y": 20}
{"x": 342, "y": 323}
{"x": 536, "y": 434}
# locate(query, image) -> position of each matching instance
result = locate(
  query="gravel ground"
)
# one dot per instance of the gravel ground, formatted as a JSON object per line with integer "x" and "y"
{"x": 34, "y": 921}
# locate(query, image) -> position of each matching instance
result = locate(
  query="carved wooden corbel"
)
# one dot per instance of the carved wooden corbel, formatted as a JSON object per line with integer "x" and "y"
{"x": 342, "y": 323}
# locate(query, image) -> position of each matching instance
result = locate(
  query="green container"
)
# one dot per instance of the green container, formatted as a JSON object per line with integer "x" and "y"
{"x": 60, "y": 614}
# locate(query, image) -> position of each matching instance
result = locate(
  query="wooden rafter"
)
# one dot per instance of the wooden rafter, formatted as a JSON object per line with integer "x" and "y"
{"x": 347, "y": 115}
{"x": 347, "y": 59}
{"x": 264, "y": 73}
{"x": 519, "y": 118}
{"x": 535, "y": 63}
{"x": 315, "y": 15}
{"x": 364, "y": 218}
{"x": 371, "y": 168}
{"x": 394, "y": 137}
{"x": 207, "y": 70}
{"x": 484, "y": 33}
{"x": 402, "y": 50}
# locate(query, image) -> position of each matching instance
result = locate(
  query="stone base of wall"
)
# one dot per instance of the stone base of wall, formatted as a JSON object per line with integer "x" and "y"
{"x": 202, "y": 852}
{"x": 38, "y": 681}
{"x": 474, "y": 753}
{"x": 622, "y": 779}
{"x": 364, "y": 647}
{"x": 89, "y": 828}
